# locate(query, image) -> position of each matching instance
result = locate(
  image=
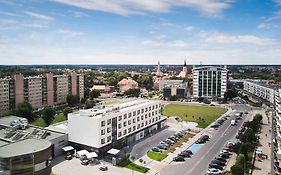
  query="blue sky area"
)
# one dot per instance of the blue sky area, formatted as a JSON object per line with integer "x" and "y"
{"x": 140, "y": 32}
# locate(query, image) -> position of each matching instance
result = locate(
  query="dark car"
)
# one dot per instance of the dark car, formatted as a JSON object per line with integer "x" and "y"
{"x": 161, "y": 147}
{"x": 200, "y": 141}
{"x": 218, "y": 162}
{"x": 156, "y": 149}
{"x": 85, "y": 162}
{"x": 183, "y": 132}
{"x": 188, "y": 151}
{"x": 179, "y": 159}
{"x": 205, "y": 137}
{"x": 221, "y": 159}
{"x": 184, "y": 154}
{"x": 216, "y": 166}
{"x": 223, "y": 155}
{"x": 68, "y": 157}
{"x": 215, "y": 125}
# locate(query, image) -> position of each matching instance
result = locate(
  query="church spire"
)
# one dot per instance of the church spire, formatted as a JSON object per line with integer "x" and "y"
{"x": 184, "y": 63}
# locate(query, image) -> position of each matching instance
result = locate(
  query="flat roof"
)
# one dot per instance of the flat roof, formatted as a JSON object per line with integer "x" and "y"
{"x": 264, "y": 83}
{"x": 23, "y": 147}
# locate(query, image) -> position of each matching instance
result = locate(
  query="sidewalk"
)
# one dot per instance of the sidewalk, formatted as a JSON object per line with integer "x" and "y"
{"x": 262, "y": 167}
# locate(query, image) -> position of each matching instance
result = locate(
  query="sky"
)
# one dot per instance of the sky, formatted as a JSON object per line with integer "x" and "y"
{"x": 140, "y": 31}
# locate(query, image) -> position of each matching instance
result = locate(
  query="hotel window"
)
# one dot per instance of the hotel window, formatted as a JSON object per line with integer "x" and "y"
{"x": 145, "y": 109}
{"x": 142, "y": 110}
{"x": 152, "y": 113}
{"x": 119, "y": 125}
{"x": 102, "y": 141}
{"x": 125, "y": 124}
{"x": 149, "y": 114}
{"x": 146, "y": 123}
{"x": 134, "y": 113}
{"x": 129, "y": 122}
{"x": 108, "y": 130}
{"x": 156, "y": 118}
{"x": 138, "y": 119}
{"x": 119, "y": 118}
{"x": 134, "y": 128}
{"x": 108, "y": 121}
{"x": 159, "y": 117}
{"x": 125, "y": 116}
{"x": 152, "y": 120}
{"x": 149, "y": 108}
{"x": 108, "y": 138}
{"x": 119, "y": 134}
{"x": 129, "y": 130}
{"x": 138, "y": 126}
{"x": 102, "y": 123}
{"x": 142, "y": 124}
{"x": 145, "y": 115}
{"x": 102, "y": 132}
{"x": 134, "y": 120}
{"x": 142, "y": 117}
{"x": 153, "y": 107}
{"x": 130, "y": 115}
{"x": 138, "y": 112}
{"x": 149, "y": 121}
{"x": 156, "y": 112}
{"x": 125, "y": 132}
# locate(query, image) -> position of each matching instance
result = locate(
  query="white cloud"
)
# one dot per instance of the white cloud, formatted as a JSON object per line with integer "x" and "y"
{"x": 70, "y": 33}
{"x": 9, "y": 14}
{"x": 179, "y": 44}
{"x": 278, "y": 2}
{"x": 248, "y": 39}
{"x": 36, "y": 25}
{"x": 127, "y": 7}
{"x": 38, "y": 16}
{"x": 189, "y": 28}
{"x": 79, "y": 14}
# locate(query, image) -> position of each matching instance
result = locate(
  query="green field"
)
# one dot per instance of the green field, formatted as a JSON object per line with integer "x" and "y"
{"x": 203, "y": 115}
{"x": 40, "y": 122}
{"x": 128, "y": 164}
{"x": 156, "y": 156}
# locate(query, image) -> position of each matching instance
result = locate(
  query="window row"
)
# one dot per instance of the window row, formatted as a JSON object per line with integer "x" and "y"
{"x": 108, "y": 139}
{"x": 129, "y": 122}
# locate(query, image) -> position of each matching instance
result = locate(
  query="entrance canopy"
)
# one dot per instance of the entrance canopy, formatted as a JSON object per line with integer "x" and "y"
{"x": 91, "y": 155}
{"x": 67, "y": 148}
{"x": 82, "y": 152}
{"x": 113, "y": 151}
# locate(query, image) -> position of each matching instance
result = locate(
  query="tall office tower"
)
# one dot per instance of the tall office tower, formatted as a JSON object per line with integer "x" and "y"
{"x": 209, "y": 81}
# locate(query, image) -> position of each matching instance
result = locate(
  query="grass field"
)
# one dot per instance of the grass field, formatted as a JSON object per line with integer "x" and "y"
{"x": 203, "y": 115}
{"x": 40, "y": 122}
{"x": 156, "y": 156}
{"x": 128, "y": 164}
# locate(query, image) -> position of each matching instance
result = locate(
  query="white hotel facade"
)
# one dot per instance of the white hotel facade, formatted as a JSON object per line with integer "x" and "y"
{"x": 114, "y": 126}
{"x": 209, "y": 82}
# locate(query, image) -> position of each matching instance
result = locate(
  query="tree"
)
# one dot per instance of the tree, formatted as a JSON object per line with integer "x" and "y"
{"x": 112, "y": 81}
{"x": 239, "y": 167}
{"x": 244, "y": 150}
{"x": 173, "y": 98}
{"x": 132, "y": 92}
{"x": 48, "y": 115}
{"x": 230, "y": 94}
{"x": 66, "y": 111}
{"x": 72, "y": 100}
{"x": 94, "y": 94}
{"x": 24, "y": 110}
{"x": 145, "y": 81}
{"x": 89, "y": 104}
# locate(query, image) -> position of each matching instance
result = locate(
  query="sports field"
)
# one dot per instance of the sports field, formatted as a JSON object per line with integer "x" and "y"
{"x": 203, "y": 115}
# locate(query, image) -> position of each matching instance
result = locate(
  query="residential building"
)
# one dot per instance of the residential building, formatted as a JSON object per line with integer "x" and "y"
{"x": 209, "y": 81}
{"x": 173, "y": 88}
{"x": 114, "y": 126}
{"x": 40, "y": 91}
{"x": 126, "y": 84}
{"x": 261, "y": 89}
{"x": 277, "y": 132}
{"x": 165, "y": 83}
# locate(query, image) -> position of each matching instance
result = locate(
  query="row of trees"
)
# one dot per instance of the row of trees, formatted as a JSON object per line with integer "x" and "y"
{"x": 248, "y": 141}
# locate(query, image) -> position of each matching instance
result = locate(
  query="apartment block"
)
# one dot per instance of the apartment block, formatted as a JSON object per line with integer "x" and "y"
{"x": 261, "y": 89}
{"x": 209, "y": 81}
{"x": 114, "y": 126}
{"x": 173, "y": 88}
{"x": 40, "y": 91}
{"x": 277, "y": 131}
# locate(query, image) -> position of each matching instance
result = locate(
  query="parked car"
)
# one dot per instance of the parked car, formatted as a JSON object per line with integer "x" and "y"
{"x": 164, "y": 143}
{"x": 215, "y": 166}
{"x": 221, "y": 159}
{"x": 179, "y": 159}
{"x": 205, "y": 137}
{"x": 184, "y": 154}
{"x": 162, "y": 146}
{"x": 69, "y": 157}
{"x": 103, "y": 168}
{"x": 200, "y": 141}
{"x": 224, "y": 155}
{"x": 170, "y": 141}
{"x": 218, "y": 162}
{"x": 226, "y": 152}
{"x": 188, "y": 151}
{"x": 215, "y": 125}
{"x": 85, "y": 162}
{"x": 214, "y": 171}
{"x": 156, "y": 149}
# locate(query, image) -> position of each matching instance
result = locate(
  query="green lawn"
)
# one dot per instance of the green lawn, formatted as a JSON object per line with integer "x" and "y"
{"x": 40, "y": 122}
{"x": 156, "y": 156}
{"x": 203, "y": 115}
{"x": 128, "y": 164}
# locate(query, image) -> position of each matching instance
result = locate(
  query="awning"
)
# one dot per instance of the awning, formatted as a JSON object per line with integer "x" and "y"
{"x": 113, "y": 151}
{"x": 68, "y": 148}
{"x": 91, "y": 155}
{"x": 82, "y": 152}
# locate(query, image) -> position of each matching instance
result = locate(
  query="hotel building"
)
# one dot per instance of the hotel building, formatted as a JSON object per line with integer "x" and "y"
{"x": 114, "y": 126}
{"x": 209, "y": 82}
{"x": 40, "y": 91}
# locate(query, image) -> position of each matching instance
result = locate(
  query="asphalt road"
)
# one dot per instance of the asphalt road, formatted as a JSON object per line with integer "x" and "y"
{"x": 198, "y": 163}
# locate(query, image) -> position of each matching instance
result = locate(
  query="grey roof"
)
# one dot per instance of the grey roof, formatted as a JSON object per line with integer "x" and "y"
{"x": 23, "y": 147}
{"x": 211, "y": 68}
{"x": 6, "y": 121}
{"x": 264, "y": 83}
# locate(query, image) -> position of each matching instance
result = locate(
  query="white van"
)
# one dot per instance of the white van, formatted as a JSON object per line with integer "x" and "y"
{"x": 233, "y": 122}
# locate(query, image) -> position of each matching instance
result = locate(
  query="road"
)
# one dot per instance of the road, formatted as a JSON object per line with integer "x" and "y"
{"x": 198, "y": 163}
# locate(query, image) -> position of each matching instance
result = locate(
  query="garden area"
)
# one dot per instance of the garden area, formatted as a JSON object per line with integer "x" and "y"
{"x": 131, "y": 165}
{"x": 40, "y": 121}
{"x": 202, "y": 115}
{"x": 156, "y": 156}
